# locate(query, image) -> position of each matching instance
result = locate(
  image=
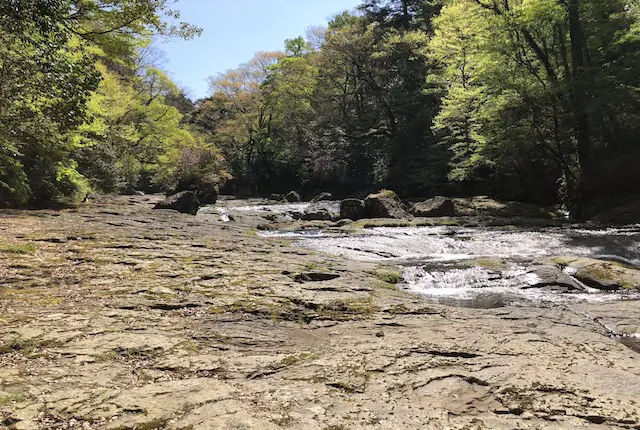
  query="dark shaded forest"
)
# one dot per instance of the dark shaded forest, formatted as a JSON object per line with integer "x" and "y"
{"x": 529, "y": 100}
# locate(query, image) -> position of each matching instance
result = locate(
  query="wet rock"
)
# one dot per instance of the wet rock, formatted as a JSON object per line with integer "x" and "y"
{"x": 315, "y": 277}
{"x": 296, "y": 215}
{"x": 385, "y": 204}
{"x": 551, "y": 276}
{"x": 322, "y": 197}
{"x": 352, "y": 209}
{"x": 184, "y": 202}
{"x": 434, "y": 207}
{"x": 276, "y": 197}
{"x": 316, "y": 214}
{"x": 293, "y": 197}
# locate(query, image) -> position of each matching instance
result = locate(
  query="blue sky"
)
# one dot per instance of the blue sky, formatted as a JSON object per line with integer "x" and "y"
{"x": 236, "y": 29}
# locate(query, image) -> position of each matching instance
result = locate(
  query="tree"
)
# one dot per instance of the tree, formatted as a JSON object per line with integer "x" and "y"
{"x": 46, "y": 79}
{"x": 58, "y": 126}
{"x": 551, "y": 92}
{"x": 243, "y": 129}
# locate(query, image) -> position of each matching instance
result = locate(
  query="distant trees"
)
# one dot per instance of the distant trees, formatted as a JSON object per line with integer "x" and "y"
{"x": 526, "y": 99}
{"x": 533, "y": 100}
{"x": 538, "y": 91}
{"x": 79, "y": 110}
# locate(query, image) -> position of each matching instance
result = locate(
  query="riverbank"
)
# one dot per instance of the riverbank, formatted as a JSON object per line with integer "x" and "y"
{"x": 116, "y": 316}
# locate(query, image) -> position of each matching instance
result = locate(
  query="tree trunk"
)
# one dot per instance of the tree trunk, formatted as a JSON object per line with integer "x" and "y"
{"x": 578, "y": 88}
{"x": 405, "y": 14}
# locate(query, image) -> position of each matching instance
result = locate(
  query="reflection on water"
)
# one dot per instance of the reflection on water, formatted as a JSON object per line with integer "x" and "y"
{"x": 481, "y": 300}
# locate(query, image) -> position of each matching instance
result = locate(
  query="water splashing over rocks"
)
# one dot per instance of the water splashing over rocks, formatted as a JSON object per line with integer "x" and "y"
{"x": 487, "y": 266}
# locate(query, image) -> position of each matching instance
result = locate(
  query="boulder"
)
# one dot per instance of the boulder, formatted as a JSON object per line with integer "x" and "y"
{"x": 609, "y": 276}
{"x": 601, "y": 274}
{"x": 276, "y": 197}
{"x": 385, "y": 204}
{"x": 316, "y": 214}
{"x": 184, "y": 202}
{"x": 553, "y": 277}
{"x": 352, "y": 209}
{"x": 322, "y": 197}
{"x": 206, "y": 191}
{"x": 434, "y": 207}
{"x": 293, "y": 197}
{"x": 207, "y": 195}
{"x": 486, "y": 206}
{"x": 628, "y": 213}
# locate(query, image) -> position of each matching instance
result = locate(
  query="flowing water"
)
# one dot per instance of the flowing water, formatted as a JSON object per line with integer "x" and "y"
{"x": 459, "y": 243}
{"x": 441, "y": 263}
{"x": 459, "y": 265}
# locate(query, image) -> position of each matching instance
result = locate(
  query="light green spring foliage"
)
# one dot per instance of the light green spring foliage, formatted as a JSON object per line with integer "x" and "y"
{"x": 516, "y": 98}
{"x": 530, "y": 99}
{"x": 131, "y": 121}
{"x": 79, "y": 109}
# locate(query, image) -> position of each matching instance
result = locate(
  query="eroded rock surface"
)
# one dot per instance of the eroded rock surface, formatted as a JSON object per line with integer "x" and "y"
{"x": 115, "y": 316}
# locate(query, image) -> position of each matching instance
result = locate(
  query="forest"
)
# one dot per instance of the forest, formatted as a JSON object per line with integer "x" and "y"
{"x": 528, "y": 100}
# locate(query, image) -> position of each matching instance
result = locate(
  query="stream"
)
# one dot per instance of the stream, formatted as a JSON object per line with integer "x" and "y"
{"x": 481, "y": 267}
{"x": 484, "y": 266}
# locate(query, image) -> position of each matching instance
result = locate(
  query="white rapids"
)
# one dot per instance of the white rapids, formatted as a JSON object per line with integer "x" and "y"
{"x": 428, "y": 256}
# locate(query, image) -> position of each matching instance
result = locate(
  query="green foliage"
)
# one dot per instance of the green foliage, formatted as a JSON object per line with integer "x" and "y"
{"x": 47, "y": 78}
{"x": 534, "y": 93}
{"x": 192, "y": 164}
{"x": 80, "y": 108}
{"x": 389, "y": 276}
{"x": 524, "y": 99}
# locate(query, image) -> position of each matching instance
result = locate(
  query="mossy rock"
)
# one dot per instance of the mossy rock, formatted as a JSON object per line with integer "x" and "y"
{"x": 601, "y": 274}
{"x": 609, "y": 276}
{"x": 385, "y": 204}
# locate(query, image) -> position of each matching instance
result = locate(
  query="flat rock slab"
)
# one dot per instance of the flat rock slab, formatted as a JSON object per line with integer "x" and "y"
{"x": 174, "y": 322}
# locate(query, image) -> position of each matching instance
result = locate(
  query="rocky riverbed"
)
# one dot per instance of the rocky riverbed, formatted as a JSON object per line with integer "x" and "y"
{"x": 116, "y": 316}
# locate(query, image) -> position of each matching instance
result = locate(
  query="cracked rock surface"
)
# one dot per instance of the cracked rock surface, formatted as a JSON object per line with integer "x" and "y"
{"x": 116, "y": 316}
